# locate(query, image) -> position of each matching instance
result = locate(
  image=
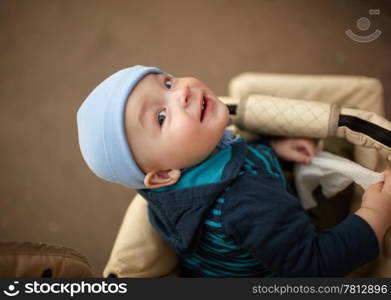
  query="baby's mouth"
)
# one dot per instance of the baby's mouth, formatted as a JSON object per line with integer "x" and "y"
{"x": 204, "y": 105}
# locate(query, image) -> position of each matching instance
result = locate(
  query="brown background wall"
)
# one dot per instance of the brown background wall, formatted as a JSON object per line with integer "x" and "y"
{"x": 52, "y": 53}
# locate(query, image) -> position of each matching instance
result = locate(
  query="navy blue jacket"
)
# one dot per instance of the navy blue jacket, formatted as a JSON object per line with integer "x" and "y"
{"x": 233, "y": 215}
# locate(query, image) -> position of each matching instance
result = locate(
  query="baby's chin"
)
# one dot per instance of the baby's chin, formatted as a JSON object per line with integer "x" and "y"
{"x": 225, "y": 117}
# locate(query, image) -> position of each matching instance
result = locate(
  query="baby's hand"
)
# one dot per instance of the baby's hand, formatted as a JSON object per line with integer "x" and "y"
{"x": 378, "y": 196}
{"x": 376, "y": 206}
{"x": 295, "y": 149}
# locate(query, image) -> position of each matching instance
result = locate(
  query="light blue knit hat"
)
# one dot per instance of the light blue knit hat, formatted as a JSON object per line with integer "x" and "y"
{"x": 101, "y": 128}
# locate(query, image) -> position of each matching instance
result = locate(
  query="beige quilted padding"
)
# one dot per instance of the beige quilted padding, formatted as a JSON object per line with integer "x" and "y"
{"x": 349, "y": 91}
{"x": 139, "y": 251}
{"x": 287, "y": 117}
{"x": 34, "y": 260}
{"x": 278, "y": 116}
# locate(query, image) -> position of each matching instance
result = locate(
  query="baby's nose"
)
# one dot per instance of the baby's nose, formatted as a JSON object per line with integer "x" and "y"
{"x": 183, "y": 95}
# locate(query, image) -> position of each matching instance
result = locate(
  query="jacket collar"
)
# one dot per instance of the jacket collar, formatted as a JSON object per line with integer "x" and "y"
{"x": 209, "y": 177}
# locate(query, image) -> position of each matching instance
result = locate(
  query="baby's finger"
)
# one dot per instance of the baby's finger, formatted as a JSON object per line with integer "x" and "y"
{"x": 310, "y": 146}
{"x": 372, "y": 190}
{"x": 387, "y": 181}
{"x": 307, "y": 147}
{"x": 376, "y": 187}
{"x": 300, "y": 157}
{"x": 387, "y": 174}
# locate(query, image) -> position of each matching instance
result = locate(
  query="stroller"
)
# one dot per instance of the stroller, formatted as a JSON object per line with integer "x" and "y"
{"x": 345, "y": 113}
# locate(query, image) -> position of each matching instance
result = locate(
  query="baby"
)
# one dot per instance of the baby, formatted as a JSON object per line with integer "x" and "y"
{"x": 222, "y": 203}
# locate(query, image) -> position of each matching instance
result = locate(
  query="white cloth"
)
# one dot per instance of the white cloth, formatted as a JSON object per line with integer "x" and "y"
{"x": 333, "y": 173}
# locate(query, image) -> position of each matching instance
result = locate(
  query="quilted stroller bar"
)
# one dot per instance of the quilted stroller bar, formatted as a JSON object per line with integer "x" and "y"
{"x": 278, "y": 116}
{"x": 270, "y": 115}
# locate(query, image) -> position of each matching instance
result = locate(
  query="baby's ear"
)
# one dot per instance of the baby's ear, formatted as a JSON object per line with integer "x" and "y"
{"x": 160, "y": 178}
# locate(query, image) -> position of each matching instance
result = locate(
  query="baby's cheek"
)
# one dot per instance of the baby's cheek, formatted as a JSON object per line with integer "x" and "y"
{"x": 191, "y": 144}
{"x": 188, "y": 139}
{"x": 184, "y": 130}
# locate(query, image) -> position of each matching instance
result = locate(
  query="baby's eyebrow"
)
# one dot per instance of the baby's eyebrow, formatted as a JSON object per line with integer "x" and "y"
{"x": 143, "y": 111}
{"x": 158, "y": 78}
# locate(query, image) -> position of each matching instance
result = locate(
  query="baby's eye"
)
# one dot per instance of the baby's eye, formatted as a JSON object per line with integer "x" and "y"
{"x": 168, "y": 83}
{"x": 161, "y": 117}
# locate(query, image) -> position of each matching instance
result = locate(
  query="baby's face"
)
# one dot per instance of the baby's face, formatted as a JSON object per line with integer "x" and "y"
{"x": 173, "y": 123}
